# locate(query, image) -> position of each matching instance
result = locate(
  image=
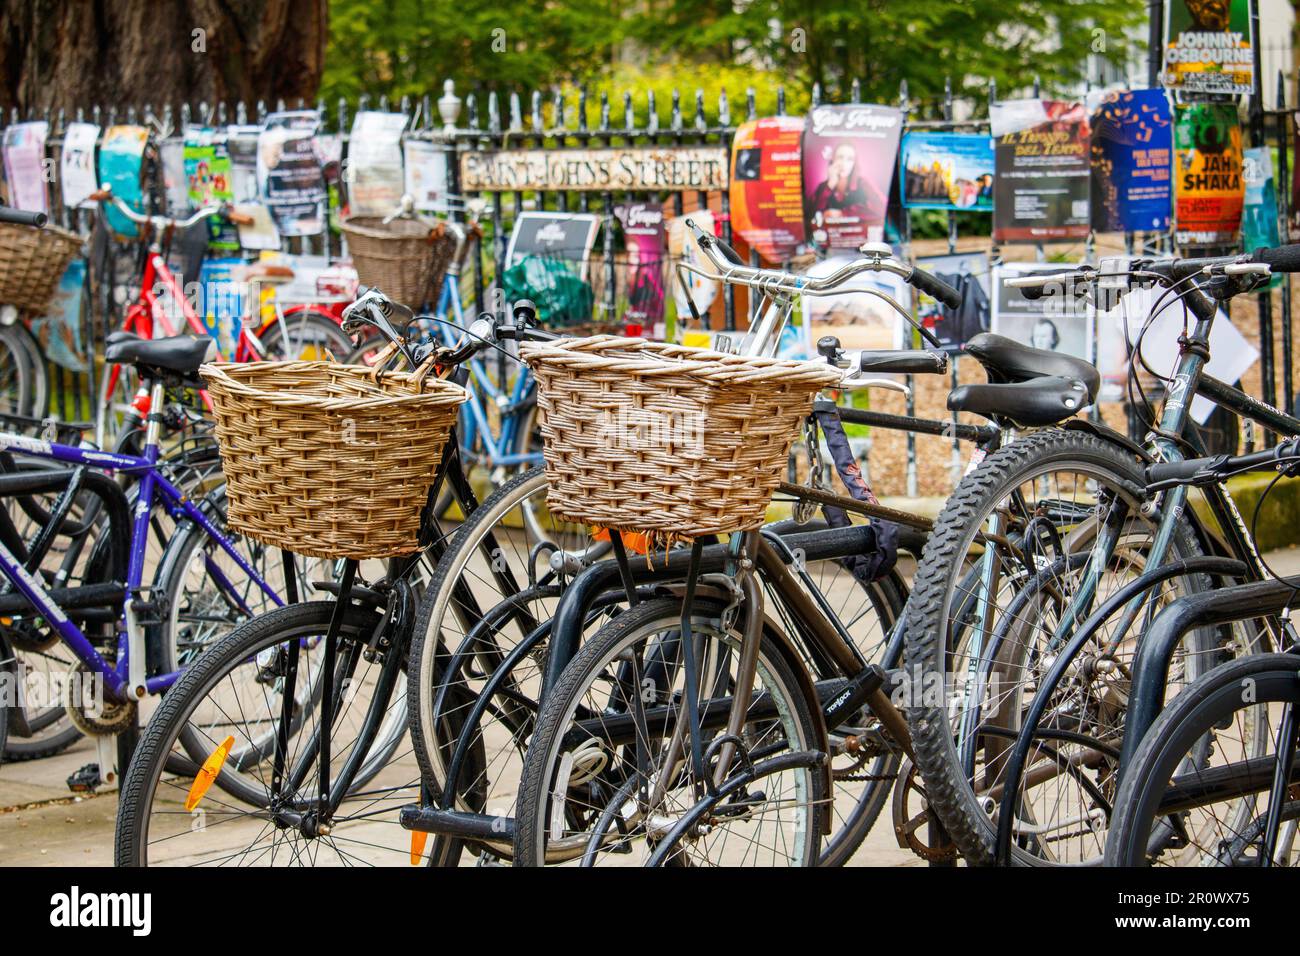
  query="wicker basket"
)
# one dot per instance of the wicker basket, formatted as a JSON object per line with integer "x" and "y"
{"x": 397, "y": 258}
{"x": 328, "y": 460}
{"x": 675, "y": 441}
{"x": 32, "y": 261}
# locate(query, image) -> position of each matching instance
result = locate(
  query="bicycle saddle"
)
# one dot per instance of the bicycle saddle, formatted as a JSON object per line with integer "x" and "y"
{"x": 1045, "y": 400}
{"x": 1006, "y": 360}
{"x": 179, "y": 354}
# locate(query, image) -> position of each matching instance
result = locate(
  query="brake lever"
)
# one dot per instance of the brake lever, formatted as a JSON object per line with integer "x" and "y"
{"x": 850, "y": 382}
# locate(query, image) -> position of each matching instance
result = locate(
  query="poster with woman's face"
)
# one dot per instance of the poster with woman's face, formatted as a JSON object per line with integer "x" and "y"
{"x": 1055, "y": 323}
{"x": 849, "y": 154}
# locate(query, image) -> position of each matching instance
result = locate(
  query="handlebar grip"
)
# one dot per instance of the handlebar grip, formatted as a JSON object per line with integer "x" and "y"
{"x": 1179, "y": 472}
{"x": 932, "y": 285}
{"x": 21, "y": 217}
{"x": 728, "y": 253}
{"x": 1280, "y": 258}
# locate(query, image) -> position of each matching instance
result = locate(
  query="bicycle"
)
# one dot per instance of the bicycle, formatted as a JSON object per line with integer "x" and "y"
{"x": 24, "y": 382}
{"x": 320, "y": 789}
{"x": 598, "y": 776}
{"x": 1210, "y": 779}
{"x": 299, "y": 331}
{"x": 1048, "y": 564}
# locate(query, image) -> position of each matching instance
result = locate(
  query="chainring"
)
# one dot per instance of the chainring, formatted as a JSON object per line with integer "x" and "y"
{"x": 95, "y": 715}
{"x": 912, "y": 818}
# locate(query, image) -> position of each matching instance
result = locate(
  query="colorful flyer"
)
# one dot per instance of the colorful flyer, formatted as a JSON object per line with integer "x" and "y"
{"x": 24, "y": 161}
{"x": 60, "y": 330}
{"x": 121, "y": 155}
{"x": 947, "y": 171}
{"x": 1041, "y": 187}
{"x": 373, "y": 172}
{"x": 849, "y": 155}
{"x": 969, "y": 274}
{"x": 1208, "y": 187}
{"x": 767, "y": 186}
{"x": 682, "y": 248}
{"x": 1132, "y": 149}
{"x": 1259, "y": 226}
{"x": 77, "y": 164}
{"x": 289, "y": 174}
{"x": 1209, "y": 47}
{"x": 645, "y": 237}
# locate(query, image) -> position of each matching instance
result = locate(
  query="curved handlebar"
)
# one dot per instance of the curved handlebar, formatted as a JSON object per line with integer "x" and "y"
{"x": 105, "y": 195}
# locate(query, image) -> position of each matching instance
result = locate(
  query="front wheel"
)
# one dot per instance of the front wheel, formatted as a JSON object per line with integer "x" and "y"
{"x": 609, "y": 776}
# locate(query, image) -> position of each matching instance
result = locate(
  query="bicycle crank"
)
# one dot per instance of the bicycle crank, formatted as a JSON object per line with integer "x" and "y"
{"x": 915, "y": 825}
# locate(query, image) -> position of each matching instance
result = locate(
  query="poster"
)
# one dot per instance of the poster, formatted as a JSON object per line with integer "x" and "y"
{"x": 682, "y": 248}
{"x": 969, "y": 273}
{"x": 644, "y": 237}
{"x": 77, "y": 164}
{"x": 1259, "y": 207}
{"x": 374, "y": 164}
{"x": 59, "y": 331}
{"x": 426, "y": 174}
{"x": 1208, "y": 47}
{"x": 24, "y": 162}
{"x": 1132, "y": 150}
{"x": 120, "y": 157}
{"x": 289, "y": 176}
{"x": 1057, "y": 323}
{"x": 241, "y": 145}
{"x": 1208, "y": 187}
{"x": 207, "y": 170}
{"x": 175, "y": 180}
{"x": 849, "y": 154}
{"x": 568, "y": 236}
{"x": 1041, "y": 188}
{"x": 947, "y": 171}
{"x": 860, "y": 320}
{"x": 767, "y": 186}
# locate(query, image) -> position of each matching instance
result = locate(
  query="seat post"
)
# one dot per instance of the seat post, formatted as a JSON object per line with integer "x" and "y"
{"x": 153, "y": 421}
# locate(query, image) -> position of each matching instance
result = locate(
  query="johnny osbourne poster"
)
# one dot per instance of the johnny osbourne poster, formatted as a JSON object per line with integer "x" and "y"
{"x": 766, "y": 186}
{"x": 1043, "y": 171}
{"x": 849, "y": 153}
{"x": 947, "y": 171}
{"x": 1208, "y": 47}
{"x": 1132, "y": 141}
{"x": 1208, "y": 186}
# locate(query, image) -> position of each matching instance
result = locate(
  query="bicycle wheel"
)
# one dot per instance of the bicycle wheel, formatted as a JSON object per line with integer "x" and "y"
{"x": 16, "y": 386}
{"x": 608, "y": 775}
{"x": 492, "y": 591}
{"x": 233, "y": 698}
{"x": 307, "y": 336}
{"x": 1177, "y": 808}
{"x": 994, "y": 595}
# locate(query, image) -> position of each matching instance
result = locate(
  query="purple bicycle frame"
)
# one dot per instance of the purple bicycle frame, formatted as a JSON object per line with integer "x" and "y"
{"x": 153, "y": 485}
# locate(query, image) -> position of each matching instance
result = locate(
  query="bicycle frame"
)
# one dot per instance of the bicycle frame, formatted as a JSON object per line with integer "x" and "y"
{"x": 126, "y": 679}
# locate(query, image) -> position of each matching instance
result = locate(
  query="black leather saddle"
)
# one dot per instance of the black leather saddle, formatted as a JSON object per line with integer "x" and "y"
{"x": 175, "y": 356}
{"x": 1028, "y": 386}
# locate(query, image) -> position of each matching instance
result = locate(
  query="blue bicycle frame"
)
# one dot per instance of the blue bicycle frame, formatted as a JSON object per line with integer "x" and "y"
{"x": 475, "y": 429}
{"x": 127, "y": 678}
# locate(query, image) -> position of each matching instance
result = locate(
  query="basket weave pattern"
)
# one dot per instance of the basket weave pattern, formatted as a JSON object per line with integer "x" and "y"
{"x": 401, "y": 257}
{"x": 329, "y": 460}
{"x": 651, "y": 437}
{"x": 32, "y": 261}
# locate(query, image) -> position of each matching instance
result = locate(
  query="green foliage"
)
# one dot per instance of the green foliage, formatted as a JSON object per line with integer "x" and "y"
{"x": 407, "y": 47}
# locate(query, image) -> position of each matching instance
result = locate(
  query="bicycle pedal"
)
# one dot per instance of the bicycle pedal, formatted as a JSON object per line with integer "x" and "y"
{"x": 149, "y": 613}
{"x": 85, "y": 780}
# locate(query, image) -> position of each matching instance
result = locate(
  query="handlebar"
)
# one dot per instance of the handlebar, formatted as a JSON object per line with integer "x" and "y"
{"x": 876, "y": 258}
{"x": 22, "y": 217}
{"x": 1162, "y": 475}
{"x": 105, "y": 195}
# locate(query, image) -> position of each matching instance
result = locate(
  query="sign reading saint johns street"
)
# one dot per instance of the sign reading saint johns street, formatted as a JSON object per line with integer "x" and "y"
{"x": 612, "y": 169}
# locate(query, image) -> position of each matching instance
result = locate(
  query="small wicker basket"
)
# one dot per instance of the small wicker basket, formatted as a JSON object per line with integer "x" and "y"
{"x": 329, "y": 460}
{"x": 400, "y": 257}
{"x": 675, "y": 441}
{"x": 32, "y": 261}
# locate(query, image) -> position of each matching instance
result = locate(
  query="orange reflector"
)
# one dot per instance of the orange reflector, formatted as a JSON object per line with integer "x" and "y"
{"x": 418, "y": 838}
{"x": 207, "y": 774}
{"x": 634, "y": 540}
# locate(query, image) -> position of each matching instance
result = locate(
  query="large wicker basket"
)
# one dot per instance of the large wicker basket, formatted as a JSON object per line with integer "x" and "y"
{"x": 32, "y": 261}
{"x": 399, "y": 258}
{"x": 675, "y": 441}
{"x": 328, "y": 460}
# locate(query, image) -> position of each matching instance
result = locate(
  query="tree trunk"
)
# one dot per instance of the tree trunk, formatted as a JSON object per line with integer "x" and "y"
{"x": 64, "y": 54}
